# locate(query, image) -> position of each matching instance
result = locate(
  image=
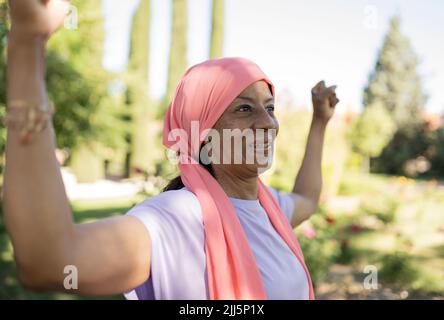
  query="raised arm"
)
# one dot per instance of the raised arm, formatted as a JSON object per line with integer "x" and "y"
{"x": 112, "y": 255}
{"x": 308, "y": 184}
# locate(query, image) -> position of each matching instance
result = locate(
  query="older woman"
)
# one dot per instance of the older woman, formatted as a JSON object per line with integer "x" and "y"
{"x": 216, "y": 232}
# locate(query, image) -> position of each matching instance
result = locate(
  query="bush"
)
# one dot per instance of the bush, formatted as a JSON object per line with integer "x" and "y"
{"x": 319, "y": 254}
{"x": 408, "y": 143}
{"x": 322, "y": 248}
{"x": 398, "y": 268}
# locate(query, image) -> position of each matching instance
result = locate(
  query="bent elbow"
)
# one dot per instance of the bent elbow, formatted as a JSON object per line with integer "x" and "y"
{"x": 32, "y": 278}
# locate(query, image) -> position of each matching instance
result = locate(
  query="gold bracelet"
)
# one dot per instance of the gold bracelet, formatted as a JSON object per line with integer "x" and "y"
{"x": 27, "y": 117}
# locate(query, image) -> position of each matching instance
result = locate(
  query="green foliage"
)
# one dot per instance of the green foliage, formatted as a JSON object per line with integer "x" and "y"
{"x": 85, "y": 115}
{"x": 398, "y": 268}
{"x": 372, "y": 131}
{"x": 331, "y": 242}
{"x": 145, "y": 150}
{"x": 77, "y": 84}
{"x": 436, "y": 152}
{"x": 178, "y": 51}
{"x": 323, "y": 250}
{"x": 395, "y": 83}
{"x": 140, "y": 45}
{"x": 408, "y": 143}
{"x": 217, "y": 29}
{"x": 83, "y": 109}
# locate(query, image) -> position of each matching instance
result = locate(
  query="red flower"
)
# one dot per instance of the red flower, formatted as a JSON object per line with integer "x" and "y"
{"x": 355, "y": 228}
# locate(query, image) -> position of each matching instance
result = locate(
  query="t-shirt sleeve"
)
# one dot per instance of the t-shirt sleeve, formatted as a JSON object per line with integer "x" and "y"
{"x": 285, "y": 201}
{"x": 174, "y": 224}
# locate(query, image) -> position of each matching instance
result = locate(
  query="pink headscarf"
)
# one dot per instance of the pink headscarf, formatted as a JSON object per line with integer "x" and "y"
{"x": 203, "y": 94}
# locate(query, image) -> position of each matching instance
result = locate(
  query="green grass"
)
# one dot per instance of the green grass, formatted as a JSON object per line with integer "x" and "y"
{"x": 84, "y": 211}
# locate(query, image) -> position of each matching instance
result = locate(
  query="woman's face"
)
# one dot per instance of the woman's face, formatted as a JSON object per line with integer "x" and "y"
{"x": 247, "y": 130}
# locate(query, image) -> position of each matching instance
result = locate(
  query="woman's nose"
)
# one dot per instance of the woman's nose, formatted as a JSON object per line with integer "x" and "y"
{"x": 264, "y": 120}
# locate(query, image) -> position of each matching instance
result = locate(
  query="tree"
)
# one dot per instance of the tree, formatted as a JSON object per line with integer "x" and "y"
{"x": 217, "y": 29}
{"x": 178, "y": 51}
{"x": 143, "y": 135}
{"x": 85, "y": 118}
{"x": 395, "y": 83}
{"x": 86, "y": 121}
{"x": 371, "y": 132}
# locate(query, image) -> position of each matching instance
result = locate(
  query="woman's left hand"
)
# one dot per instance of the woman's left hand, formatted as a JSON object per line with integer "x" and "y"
{"x": 324, "y": 101}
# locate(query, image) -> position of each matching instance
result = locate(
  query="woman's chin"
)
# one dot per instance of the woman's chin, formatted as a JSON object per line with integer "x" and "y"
{"x": 259, "y": 167}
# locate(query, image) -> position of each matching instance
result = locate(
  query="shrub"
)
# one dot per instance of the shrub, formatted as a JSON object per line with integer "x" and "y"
{"x": 321, "y": 251}
{"x": 398, "y": 268}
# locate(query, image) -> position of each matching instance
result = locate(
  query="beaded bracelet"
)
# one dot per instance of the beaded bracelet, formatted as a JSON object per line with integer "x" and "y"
{"x": 28, "y": 118}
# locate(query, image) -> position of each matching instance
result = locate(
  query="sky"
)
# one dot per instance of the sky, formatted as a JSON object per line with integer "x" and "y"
{"x": 296, "y": 43}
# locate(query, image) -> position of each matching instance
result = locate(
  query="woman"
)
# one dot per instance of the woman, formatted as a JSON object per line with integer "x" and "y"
{"x": 216, "y": 233}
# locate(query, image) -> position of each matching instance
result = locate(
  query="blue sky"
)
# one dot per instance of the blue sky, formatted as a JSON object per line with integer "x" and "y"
{"x": 295, "y": 42}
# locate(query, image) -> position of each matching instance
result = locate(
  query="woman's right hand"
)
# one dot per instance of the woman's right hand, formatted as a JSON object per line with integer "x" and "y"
{"x": 37, "y": 18}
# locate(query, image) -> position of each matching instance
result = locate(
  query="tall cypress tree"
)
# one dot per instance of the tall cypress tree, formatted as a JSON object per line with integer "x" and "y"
{"x": 178, "y": 51}
{"x": 396, "y": 85}
{"x": 217, "y": 29}
{"x": 143, "y": 148}
{"x": 395, "y": 82}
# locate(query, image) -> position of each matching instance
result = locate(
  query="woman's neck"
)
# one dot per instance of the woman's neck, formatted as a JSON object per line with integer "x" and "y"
{"x": 237, "y": 185}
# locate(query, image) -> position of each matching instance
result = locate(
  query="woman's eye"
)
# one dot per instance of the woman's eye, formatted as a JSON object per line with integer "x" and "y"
{"x": 270, "y": 107}
{"x": 244, "y": 108}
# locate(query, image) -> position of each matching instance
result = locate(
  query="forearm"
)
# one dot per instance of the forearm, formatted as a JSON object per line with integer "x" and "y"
{"x": 309, "y": 179}
{"x": 37, "y": 213}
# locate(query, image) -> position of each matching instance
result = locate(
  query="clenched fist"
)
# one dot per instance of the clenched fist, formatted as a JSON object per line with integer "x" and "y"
{"x": 324, "y": 101}
{"x": 37, "y": 18}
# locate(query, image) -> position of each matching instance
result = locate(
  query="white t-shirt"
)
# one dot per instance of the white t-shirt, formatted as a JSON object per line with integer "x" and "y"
{"x": 178, "y": 265}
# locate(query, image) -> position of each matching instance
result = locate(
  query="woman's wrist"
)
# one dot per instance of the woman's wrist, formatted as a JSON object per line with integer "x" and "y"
{"x": 26, "y": 67}
{"x": 28, "y": 110}
{"x": 18, "y": 39}
{"x": 319, "y": 123}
